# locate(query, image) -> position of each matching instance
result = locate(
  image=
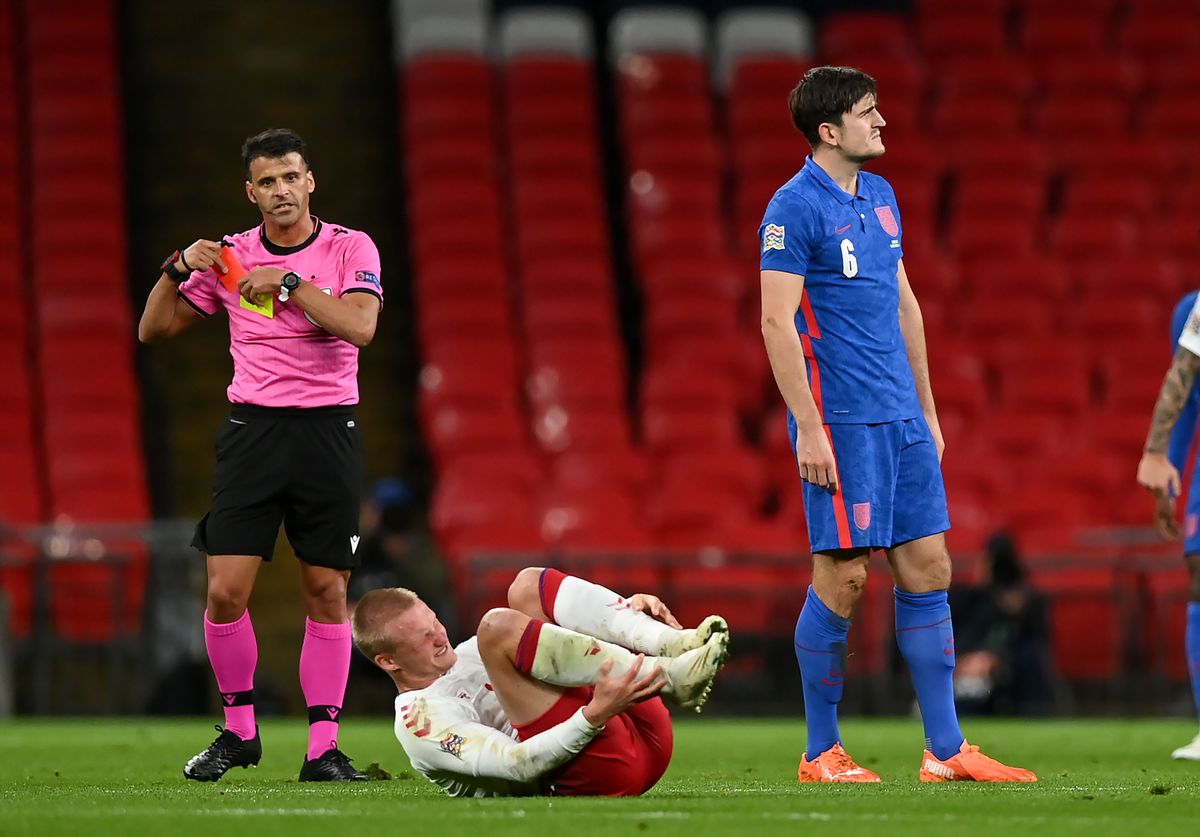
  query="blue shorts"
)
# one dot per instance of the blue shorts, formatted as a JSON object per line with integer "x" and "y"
{"x": 890, "y": 488}
{"x": 1191, "y": 517}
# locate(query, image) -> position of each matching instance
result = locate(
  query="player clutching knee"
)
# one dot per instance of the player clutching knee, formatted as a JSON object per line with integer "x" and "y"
{"x": 556, "y": 694}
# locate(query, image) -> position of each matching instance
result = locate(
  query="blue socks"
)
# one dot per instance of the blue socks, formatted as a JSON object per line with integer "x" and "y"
{"x": 1191, "y": 642}
{"x": 821, "y": 652}
{"x": 926, "y": 639}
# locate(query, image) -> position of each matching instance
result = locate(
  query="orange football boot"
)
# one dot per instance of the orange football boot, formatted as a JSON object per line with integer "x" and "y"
{"x": 970, "y": 765}
{"x": 833, "y": 765}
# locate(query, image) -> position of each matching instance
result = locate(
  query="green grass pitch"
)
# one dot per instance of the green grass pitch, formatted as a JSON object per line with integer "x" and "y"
{"x": 122, "y": 777}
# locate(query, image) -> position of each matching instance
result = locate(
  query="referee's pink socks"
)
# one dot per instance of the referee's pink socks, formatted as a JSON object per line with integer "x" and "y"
{"x": 233, "y": 654}
{"x": 324, "y": 669}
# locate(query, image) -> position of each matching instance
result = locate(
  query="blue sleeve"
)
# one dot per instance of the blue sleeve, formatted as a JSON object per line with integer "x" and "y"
{"x": 787, "y": 236}
{"x": 1185, "y": 425}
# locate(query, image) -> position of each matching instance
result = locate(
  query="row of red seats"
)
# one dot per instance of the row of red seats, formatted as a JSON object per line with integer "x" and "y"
{"x": 91, "y": 448}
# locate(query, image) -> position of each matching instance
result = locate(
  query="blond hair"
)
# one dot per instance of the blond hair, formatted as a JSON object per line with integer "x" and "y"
{"x": 372, "y": 615}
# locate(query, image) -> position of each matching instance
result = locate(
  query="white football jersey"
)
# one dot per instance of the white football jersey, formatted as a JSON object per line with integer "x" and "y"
{"x": 456, "y": 734}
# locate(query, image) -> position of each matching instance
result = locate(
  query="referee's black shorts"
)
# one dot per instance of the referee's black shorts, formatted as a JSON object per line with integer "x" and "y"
{"x": 302, "y": 467}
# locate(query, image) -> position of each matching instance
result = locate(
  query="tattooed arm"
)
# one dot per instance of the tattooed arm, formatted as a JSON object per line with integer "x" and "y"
{"x": 1155, "y": 471}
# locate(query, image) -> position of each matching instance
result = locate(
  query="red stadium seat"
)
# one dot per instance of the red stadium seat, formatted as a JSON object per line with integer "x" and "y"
{"x": 1092, "y": 236}
{"x": 992, "y": 194}
{"x": 544, "y": 75}
{"x": 767, "y": 76}
{"x": 1047, "y": 389}
{"x": 1160, "y": 33}
{"x": 978, "y": 115}
{"x": 878, "y": 33}
{"x": 946, "y": 37}
{"x": 736, "y": 470}
{"x": 992, "y": 76}
{"x": 1088, "y": 609}
{"x": 558, "y": 430}
{"x": 1117, "y": 192}
{"x": 625, "y": 466}
{"x": 1031, "y": 277}
{"x": 1063, "y": 33}
{"x": 457, "y": 431}
{"x": 675, "y": 74}
{"x": 551, "y": 318}
{"x": 993, "y": 235}
{"x": 1071, "y": 74}
{"x": 680, "y": 429}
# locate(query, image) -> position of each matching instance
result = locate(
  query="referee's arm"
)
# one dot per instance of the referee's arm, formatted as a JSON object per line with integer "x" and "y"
{"x": 166, "y": 313}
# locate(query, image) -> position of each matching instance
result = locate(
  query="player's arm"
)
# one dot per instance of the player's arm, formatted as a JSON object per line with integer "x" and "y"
{"x": 438, "y": 737}
{"x": 1155, "y": 471}
{"x": 912, "y": 326}
{"x": 167, "y": 312}
{"x": 781, "y": 295}
{"x": 351, "y": 317}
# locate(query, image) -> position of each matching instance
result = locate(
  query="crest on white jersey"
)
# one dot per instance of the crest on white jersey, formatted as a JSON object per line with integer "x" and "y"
{"x": 773, "y": 237}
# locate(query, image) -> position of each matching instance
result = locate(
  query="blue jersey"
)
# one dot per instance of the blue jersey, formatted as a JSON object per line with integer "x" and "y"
{"x": 847, "y": 248}
{"x": 1185, "y": 426}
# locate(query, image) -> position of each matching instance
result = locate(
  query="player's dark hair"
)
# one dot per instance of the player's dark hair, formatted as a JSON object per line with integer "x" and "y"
{"x": 273, "y": 143}
{"x": 824, "y": 95}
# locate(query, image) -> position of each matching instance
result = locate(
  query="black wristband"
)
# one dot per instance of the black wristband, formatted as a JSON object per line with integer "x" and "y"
{"x": 171, "y": 271}
{"x": 183, "y": 261}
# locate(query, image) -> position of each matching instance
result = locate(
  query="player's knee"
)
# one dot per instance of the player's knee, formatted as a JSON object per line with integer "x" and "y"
{"x": 524, "y": 589}
{"x": 498, "y": 626}
{"x": 226, "y": 603}
{"x": 853, "y": 578}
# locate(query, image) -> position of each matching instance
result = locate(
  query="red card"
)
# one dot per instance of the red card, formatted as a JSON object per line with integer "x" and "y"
{"x": 234, "y": 268}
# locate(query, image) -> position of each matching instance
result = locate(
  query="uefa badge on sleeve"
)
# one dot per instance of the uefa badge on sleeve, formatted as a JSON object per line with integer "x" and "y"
{"x": 773, "y": 237}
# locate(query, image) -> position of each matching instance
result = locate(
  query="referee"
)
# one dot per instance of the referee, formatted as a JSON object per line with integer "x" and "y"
{"x": 290, "y": 451}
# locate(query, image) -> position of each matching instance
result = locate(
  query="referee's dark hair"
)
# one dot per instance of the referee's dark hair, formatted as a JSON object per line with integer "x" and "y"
{"x": 824, "y": 95}
{"x": 274, "y": 143}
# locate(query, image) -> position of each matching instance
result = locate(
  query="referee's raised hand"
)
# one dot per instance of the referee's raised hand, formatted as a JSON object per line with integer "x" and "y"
{"x": 202, "y": 255}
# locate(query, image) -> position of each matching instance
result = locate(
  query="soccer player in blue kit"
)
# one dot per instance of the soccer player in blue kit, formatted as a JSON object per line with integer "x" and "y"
{"x": 1171, "y": 432}
{"x": 847, "y": 347}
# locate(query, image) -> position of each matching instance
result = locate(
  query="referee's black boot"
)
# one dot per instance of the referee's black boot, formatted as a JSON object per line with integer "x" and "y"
{"x": 331, "y": 766}
{"x": 227, "y": 751}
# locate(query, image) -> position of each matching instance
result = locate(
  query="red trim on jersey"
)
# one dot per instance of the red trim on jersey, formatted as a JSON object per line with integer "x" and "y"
{"x": 548, "y": 584}
{"x": 840, "y": 513}
{"x": 527, "y": 647}
{"x": 810, "y": 319}
{"x": 814, "y": 370}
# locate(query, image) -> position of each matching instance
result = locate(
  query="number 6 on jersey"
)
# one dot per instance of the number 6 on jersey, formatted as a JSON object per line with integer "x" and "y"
{"x": 849, "y": 262}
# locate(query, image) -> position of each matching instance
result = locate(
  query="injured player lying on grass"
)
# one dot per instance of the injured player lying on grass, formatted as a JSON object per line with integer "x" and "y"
{"x": 556, "y": 694}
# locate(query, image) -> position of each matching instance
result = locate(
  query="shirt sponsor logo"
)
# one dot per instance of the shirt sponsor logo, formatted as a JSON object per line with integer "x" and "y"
{"x": 366, "y": 277}
{"x": 887, "y": 220}
{"x": 773, "y": 237}
{"x": 453, "y": 744}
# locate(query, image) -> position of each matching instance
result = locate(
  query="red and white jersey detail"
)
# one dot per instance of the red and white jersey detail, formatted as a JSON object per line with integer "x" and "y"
{"x": 456, "y": 735}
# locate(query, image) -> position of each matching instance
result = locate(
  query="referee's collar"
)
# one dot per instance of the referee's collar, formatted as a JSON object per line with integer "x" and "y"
{"x": 837, "y": 192}
{"x": 278, "y": 249}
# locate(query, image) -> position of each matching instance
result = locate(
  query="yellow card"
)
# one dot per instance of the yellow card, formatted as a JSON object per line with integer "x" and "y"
{"x": 265, "y": 306}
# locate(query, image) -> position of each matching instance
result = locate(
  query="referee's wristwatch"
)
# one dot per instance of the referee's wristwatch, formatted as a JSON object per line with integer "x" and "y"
{"x": 288, "y": 284}
{"x": 172, "y": 272}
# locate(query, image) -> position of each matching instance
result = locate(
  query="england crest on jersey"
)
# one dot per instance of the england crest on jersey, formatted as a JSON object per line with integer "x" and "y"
{"x": 887, "y": 220}
{"x": 773, "y": 237}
